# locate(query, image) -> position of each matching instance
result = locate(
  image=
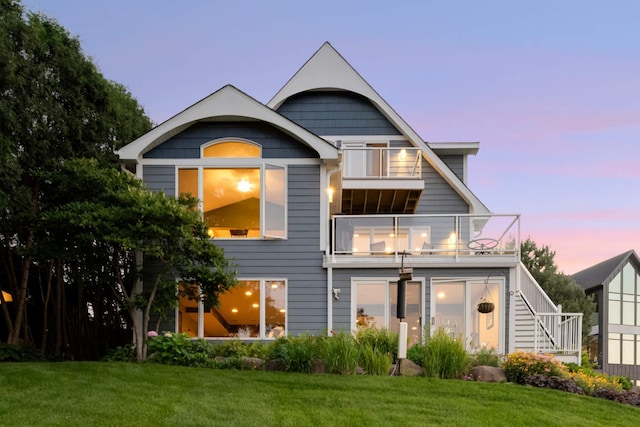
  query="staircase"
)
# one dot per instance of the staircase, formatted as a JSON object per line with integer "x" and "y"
{"x": 541, "y": 326}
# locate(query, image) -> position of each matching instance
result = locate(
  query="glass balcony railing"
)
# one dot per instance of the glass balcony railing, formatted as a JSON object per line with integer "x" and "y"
{"x": 443, "y": 235}
{"x": 382, "y": 163}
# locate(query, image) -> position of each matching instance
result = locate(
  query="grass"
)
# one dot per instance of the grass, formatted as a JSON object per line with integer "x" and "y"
{"x": 127, "y": 394}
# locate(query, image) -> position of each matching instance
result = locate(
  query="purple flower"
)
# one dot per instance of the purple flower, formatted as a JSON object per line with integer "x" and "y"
{"x": 152, "y": 334}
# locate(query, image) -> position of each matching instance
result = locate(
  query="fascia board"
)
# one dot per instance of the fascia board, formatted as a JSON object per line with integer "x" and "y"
{"x": 225, "y": 103}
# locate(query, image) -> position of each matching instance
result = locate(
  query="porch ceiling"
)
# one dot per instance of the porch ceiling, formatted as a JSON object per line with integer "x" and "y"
{"x": 379, "y": 201}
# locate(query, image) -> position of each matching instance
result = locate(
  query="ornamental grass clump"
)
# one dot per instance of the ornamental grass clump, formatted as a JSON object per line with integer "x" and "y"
{"x": 340, "y": 353}
{"x": 297, "y": 354}
{"x": 519, "y": 365}
{"x": 381, "y": 340}
{"x": 374, "y": 362}
{"x": 445, "y": 356}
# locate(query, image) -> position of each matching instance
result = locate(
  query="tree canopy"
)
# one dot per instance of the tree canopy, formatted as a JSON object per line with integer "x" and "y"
{"x": 71, "y": 222}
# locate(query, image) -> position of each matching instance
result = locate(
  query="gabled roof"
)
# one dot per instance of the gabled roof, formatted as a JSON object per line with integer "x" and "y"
{"x": 226, "y": 103}
{"x": 327, "y": 69}
{"x": 602, "y": 273}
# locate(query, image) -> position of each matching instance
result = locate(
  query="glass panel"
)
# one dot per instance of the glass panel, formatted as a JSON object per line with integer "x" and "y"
{"x": 238, "y": 314}
{"x": 628, "y": 282}
{"x": 232, "y": 149}
{"x": 638, "y": 314}
{"x": 370, "y": 299}
{"x": 413, "y": 311}
{"x": 637, "y": 349}
{"x": 188, "y": 310}
{"x": 614, "y": 312}
{"x": 628, "y": 315}
{"x": 614, "y": 349}
{"x": 231, "y": 202}
{"x": 275, "y": 193}
{"x": 275, "y": 308}
{"x": 627, "y": 349}
{"x": 484, "y": 327}
{"x": 188, "y": 182}
{"x": 448, "y": 310}
{"x": 614, "y": 285}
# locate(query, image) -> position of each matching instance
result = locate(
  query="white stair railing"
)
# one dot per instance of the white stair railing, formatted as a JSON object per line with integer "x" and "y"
{"x": 555, "y": 332}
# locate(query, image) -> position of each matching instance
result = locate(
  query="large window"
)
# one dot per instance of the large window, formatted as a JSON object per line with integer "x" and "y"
{"x": 375, "y": 305}
{"x": 252, "y": 309}
{"x": 454, "y": 308}
{"x": 624, "y": 298}
{"x": 238, "y": 201}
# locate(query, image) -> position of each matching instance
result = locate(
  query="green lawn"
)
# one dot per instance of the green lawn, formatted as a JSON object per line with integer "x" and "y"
{"x": 124, "y": 394}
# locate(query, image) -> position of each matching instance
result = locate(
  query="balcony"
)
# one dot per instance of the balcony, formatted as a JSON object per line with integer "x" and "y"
{"x": 474, "y": 239}
{"x": 381, "y": 180}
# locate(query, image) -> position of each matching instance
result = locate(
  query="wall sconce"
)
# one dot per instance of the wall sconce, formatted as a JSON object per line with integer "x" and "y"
{"x": 403, "y": 154}
{"x": 330, "y": 192}
{"x": 336, "y": 293}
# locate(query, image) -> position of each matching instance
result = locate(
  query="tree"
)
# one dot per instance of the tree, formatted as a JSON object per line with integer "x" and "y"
{"x": 111, "y": 222}
{"x": 561, "y": 288}
{"x": 54, "y": 106}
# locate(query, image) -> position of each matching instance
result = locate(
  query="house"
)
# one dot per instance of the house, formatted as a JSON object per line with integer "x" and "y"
{"x": 615, "y": 335}
{"x": 322, "y": 197}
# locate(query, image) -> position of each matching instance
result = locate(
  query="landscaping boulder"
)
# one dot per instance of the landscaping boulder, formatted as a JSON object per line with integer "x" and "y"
{"x": 409, "y": 368}
{"x": 489, "y": 374}
{"x": 251, "y": 363}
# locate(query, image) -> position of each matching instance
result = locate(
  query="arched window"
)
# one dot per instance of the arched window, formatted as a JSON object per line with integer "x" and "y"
{"x": 232, "y": 149}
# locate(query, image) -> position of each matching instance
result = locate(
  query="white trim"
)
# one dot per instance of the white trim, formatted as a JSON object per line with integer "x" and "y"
{"x": 230, "y": 161}
{"x": 228, "y": 103}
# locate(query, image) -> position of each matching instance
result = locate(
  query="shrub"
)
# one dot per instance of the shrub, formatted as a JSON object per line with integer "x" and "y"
{"x": 237, "y": 348}
{"x": 416, "y": 354}
{"x": 554, "y": 382}
{"x": 486, "y": 356}
{"x": 591, "y": 383}
{"x": 519, "y": 365}
{"x": 297, "y": 354}
{"x": 627, "y": 397}
{"x": 18, "y": 353}
{"x": 340, "y": 353}
{"x": 179, "y": 349}
{"x": 445, "y": 356}
{"x": 374, "y": 362}
{"x": 126, "y": 353}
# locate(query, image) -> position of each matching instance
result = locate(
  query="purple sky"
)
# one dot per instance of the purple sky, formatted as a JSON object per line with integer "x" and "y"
{"x": 550, "y": 88}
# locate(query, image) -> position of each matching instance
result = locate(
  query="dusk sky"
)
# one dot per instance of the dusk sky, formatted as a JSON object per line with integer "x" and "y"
{"x": 550, "y": 88}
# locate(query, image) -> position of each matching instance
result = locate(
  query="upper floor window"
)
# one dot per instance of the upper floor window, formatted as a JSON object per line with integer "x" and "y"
{"x": 239, "y": 198}
{"x": 624, "y": 297}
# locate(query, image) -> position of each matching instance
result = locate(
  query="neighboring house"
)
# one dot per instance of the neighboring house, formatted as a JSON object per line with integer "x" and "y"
{"x": 615, "y": 335}
{"x": 321, "y": 196}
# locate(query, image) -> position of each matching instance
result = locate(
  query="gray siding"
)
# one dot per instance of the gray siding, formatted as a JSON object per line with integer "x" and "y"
{"x": 336, "y": 113}
{"x": 275, "y": 143}
{"x": 456, "y": 164}
{"x": 438, "y": 196}
{"x": 297, "y": 259}
{"x": 160, "y": 178}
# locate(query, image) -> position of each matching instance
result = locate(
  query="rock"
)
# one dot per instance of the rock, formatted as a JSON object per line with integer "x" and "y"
{"x": 409, "y": 368}
{"x": 251, "y": 363}
{"x": 489, "y": 374}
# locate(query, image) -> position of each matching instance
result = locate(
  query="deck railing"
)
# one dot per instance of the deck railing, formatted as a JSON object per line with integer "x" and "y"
{"x": 417, "y": 234}
{"x": 382, "y": 163}
{"x": 558, "y": 333}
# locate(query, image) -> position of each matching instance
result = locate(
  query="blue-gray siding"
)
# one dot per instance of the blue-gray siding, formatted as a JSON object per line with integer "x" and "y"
{"x": 336, "y": 113}
{"x": 438, "y": 196}
{"x": 160, "y": 178}
{"x": 297, "y": 259}
{"x": 456, "y": 164}
{"x": 274, "y": 142}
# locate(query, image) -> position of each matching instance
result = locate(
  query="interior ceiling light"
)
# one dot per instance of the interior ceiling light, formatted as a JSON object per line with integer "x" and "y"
{"x": 244, "y": 186}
